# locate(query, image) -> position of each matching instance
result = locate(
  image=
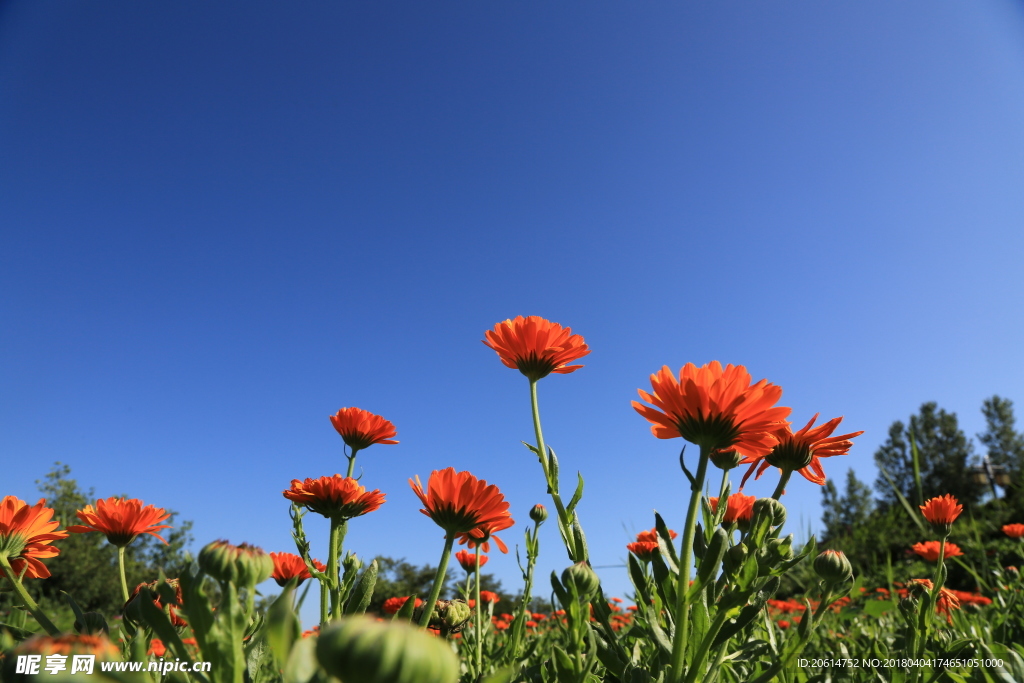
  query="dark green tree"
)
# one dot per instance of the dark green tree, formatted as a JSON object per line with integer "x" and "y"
{"x": 87, "y": 565}
{"x": 844, "y": 514}
{"x": 944, "y": 452}
{"x": 1004, "y": 443}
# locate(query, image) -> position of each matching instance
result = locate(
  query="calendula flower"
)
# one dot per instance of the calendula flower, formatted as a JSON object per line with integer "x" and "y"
{"x": 800, "y": 451}
{"x": 946, "y": 601}
{"x": 467, "y": 560}
{"x": 489, "y": 596}
{"x": 361, "y": 428}
{"x": 460, "y": 503}
{"x": 393, "y": 605}
{"x": 942, "y": 511}
{"x": 740, "y": 508}
{"x": 133, "y": 608}
{"x": 714, "y": 408}
{"x": 646, "y": 545}
{"x": 288, "y": 566}
{"x": 536, "y": 347}
{"x": 1014, "y": 530}
{"x": 929, "y": 550}
{"x": 121, "y": 520}
{"x": 26, "y": 532}
{"x": 335, "y": 497}
{"x": 98, "y": 646}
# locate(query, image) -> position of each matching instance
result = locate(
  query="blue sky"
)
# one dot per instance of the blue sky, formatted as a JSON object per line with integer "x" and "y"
{"x": 220, "y": 223}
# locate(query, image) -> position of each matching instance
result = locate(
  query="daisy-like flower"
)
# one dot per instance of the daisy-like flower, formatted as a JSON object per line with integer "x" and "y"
{"x": 942, "y": 511}
{"x": 929, "y": 550}
{"x": 334, "y": 497}
{"x": 392, "y": 605}
{"x": 739, "y": 508}
{"x": 288, "y": 566}
{"x": 460, "y": 503}
{"x": 800, "y": 451}
{"x": 714, "y": 408}
{"x": 99, "y": 646}
{"x": 361, "y": 429}
{"x": 536, "y": 347}
{"x": 945, "y": 603}
{"x": 646, "y": 545}
{"x": 1014, "y": 530}
{"x": 467, "y": 560}
{"x": 26, "y": 532}
{"x": 121, "y": 520}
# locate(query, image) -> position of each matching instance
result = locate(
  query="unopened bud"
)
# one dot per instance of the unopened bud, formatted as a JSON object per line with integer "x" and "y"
{"x": 833, "y": 567}
{"x": 351, "y": 563}
{"x": 243, "y": 565}
{"x": 581, "y": 579}
{"x": 725, "y": 459}
{"x": 772, "y": 509}
{"x": 734, "y": 558}
{"x": 360, "y": 650}
{"x": 455, "y": 614}
{"x": 538, "y": 513}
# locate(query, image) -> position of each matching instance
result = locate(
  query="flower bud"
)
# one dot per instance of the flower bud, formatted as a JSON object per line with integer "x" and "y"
{"x": 781, "y": 549}
{"x": 582, "y": 580}
{"x": 734, "y": 558}
{"x": 772, "y": 509}
{"x": 725, "y": 459}
{"x": 360, "y": 650}
{"x": 351, "y": 563}
{"x": 538, "y": 513}
{"x": 243, "y": 565}
{"x": 833, "y": 567}
{"x": 455, "y": 614}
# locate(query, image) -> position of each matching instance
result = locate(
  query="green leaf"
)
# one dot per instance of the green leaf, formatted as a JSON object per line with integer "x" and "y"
{"x": 577, "y": 496}
{"x": 302, "y": 664}
{"x": 282, "y": 626}
{"x": 876, "y": 608}
{"x": 363, "y": 592}
{"x": 904, "y": 502}
{"x": 711, "y": 562}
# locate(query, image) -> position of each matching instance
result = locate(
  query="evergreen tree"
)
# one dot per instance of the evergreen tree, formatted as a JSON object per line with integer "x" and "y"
{"x": 944, "y": 451}
{"x": 1005, "y": 444}
{"x": 852, "y": 510}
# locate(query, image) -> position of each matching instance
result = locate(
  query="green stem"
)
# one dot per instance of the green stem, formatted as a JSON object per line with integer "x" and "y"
{"x": 333, "y": 571}
{"x": 26, "y": 599}
{"x": 435, "y": 590}
{"x": 682, "y": 616}
{"x": 566, "y": 521}
{"x": 351, "y": 462}
{"x": 783, "y": 480}
{"x": 479, "y": 621}
{"x": 124, "y": 580}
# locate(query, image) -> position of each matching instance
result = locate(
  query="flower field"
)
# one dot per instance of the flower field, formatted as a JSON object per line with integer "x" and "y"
{"x": 713, "y": 599}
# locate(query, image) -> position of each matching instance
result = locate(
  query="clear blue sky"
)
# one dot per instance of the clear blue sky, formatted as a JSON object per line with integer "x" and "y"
{"x": 221, "y": 222}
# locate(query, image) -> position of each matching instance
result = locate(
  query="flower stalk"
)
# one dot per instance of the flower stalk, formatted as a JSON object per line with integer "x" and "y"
{"x": 435, "y": 590}
{"x": 25, "y": 598}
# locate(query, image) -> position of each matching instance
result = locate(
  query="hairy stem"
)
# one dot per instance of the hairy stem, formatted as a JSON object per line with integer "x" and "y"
{"x": 26, "y": 599}
{"x": 435, "y": 590}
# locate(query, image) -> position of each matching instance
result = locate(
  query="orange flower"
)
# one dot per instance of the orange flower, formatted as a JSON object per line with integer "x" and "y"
{"x": 489, "y": 596}
{"x": 26, "y": 532}
{"x": 156, "y": 648}
{"x": 460, "y": 503}
{"x": 739, "y": 508}
{"x": 467, "y": 560}
{"x": 121, "y": 520}
{"x": 945, "y": 603}
{"x": 1014, "y": 530}
{"x": 535, "y": 346}
{"x": 392, "y": 605}
{"x": 942, "y": 511}
{"x": 361, "y": 428}
{"x": 132, "y": 609}
{"x": 800, "y": 451}
{"x": 646, "y": 545}
{"x": 289, "y": 566}
{"x": 714, "y": 408}
{"x": 652, "y": 536}
{"x": 334, "y": 497}
{"x": 98, "y": 646}
{"x": 929, "y": 550}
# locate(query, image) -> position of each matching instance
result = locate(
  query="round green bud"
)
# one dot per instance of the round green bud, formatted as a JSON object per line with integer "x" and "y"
{"x": 582, "y": 580}
{"x": 455, "y": 614}
{"x": 772, "y": 509}
{"x": 360, "y": 650}
{"x": 725, "y": 459}
{"x": 218, "y": 560}
{"x": 734, "y": 558}
{"x": 351, "y": 563}
{"x": 243, "y": 565}
{"x": 781, "y": 549}
{"x": 538, "y": 513}
{"x": 833, "y": 567}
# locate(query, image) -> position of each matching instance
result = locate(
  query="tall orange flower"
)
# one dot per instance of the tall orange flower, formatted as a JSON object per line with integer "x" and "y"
{"x": 714, "y": 408}
{"x": 334, "y": 497}
{"x": 535, "y": 346}
{"x": 800, "y": 451}
{"x": 1014, "y": 530}
{"x": 740, "y": 508}
{"x": 26, "y": 532}
{"x": 288, "y": 566}
{"x": 467, "y": 560}
{"x": 121, "y": 520}
{"x": 460, "y": 503}
{"x": 929, "y": 550}
{"x": 361, "y": 429}
{"x": 942, "y": 511}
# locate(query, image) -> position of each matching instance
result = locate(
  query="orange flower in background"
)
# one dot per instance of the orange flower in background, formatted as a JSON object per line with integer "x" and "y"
{"x": 801, "y": 451}
{"x": 132, "y": 609}
{"x": 646, "y": 545}
{"x": 334, "y": 497}
{"x": 942, "y": 511}
{"x": 946, "y": 602}
{"x": 121, "y": 520}
{"x": 489, "y": 596}
{"x": 98, "y": 646}
{"x": 392, "y": 605}
{"x": 156, "y": 648}
{"x": 288, "y": 566}
{"x": 460, "y": 503}
{"x": 467, "y": 560}
{"x": 651, "y": 536}
{"x": 739, "y": 508}
{"x": 536, "y": 347}
{"x": 1014, "y": 530}
{"x": 26, "y": 532}
{"x": 929, "y": 550}
{"x": 714, "y": 408}
{"x": 361, "y": 429}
